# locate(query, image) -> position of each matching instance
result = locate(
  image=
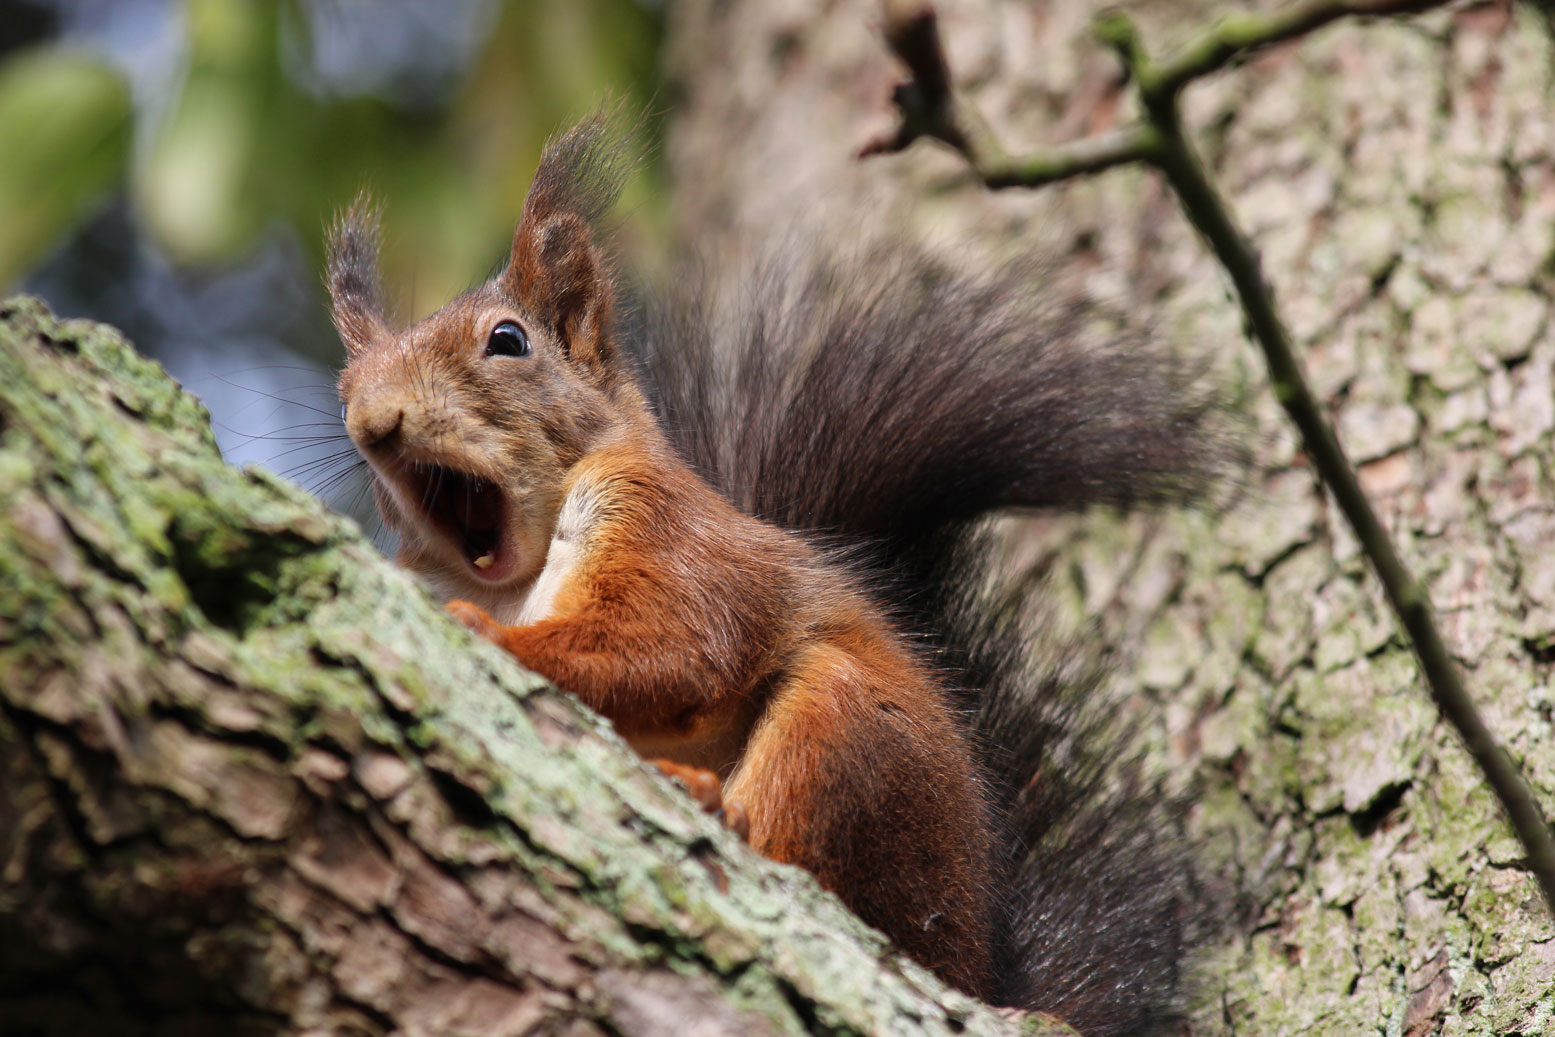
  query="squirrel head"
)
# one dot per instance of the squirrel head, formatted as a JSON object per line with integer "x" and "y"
{"x": 472, "y": 419}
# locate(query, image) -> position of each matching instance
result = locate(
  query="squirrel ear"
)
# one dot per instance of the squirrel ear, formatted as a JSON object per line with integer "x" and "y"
{"x": 558, "y": 269}
{"x": 558, "y": 272}
{"x": 353, "y": 275}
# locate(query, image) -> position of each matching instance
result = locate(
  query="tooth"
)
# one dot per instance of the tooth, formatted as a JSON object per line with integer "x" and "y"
{"x": 484, "y": 561}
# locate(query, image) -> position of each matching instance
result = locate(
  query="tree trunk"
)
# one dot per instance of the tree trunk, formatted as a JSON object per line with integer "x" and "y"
{"x": 1397, "y": 177}
{"x": 252, "y": 780}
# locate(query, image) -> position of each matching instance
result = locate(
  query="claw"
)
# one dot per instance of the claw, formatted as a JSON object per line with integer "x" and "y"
{"x": 707, "y": 789}
{"x": 734, "y": 818}
{"x": 475, "y": 619}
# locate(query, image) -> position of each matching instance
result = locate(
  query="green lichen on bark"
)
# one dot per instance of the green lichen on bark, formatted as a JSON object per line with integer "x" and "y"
{"x": 252, "y": 779}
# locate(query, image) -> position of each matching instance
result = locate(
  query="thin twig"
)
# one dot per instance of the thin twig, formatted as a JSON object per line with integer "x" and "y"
{"x": 1235, "y": 35}
{"x": 1138, "y": 143}
{"x": 1160, "y": 141}
{"x": 929, "y": 107}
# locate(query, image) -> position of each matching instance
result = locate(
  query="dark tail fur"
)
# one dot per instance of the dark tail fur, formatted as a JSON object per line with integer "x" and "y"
{"x": 1102, "y": 916}
{"x": 887, "y": 400}
{"x": 891, "y": 405}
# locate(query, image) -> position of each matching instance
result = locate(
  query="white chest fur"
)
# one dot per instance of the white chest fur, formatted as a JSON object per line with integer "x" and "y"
{"x": 580, "y": 511}
{"x": 560, "y": 558}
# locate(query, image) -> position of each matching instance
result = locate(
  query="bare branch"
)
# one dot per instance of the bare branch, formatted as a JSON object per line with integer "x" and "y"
{"x": 930, "y": 107}
{"x": 1160, "y": 141}
{"x": 1234, "y": 36}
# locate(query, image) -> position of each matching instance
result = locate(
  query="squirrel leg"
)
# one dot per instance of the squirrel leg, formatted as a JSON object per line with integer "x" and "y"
{"x": 704, "y": 785}
{"x": 475, "y": 619}
{"x": 634, "y": 671}
{"x": 707, "y": 789}
{"x": 858, "y": 774}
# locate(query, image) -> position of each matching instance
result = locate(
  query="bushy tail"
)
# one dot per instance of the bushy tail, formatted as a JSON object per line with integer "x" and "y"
{"x": 1103, "y": 913}
{"x": 885, "y": 399}
{"x": 891, "y": 405}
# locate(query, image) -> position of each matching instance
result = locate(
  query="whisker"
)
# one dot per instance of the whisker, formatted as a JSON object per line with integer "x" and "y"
{"x": 313, "y": 467}
{"x": 277, "y": 437}
{"x": 309, "y": 446}
{"x": 328, "y": 487}
{"x": 277, "y": 398}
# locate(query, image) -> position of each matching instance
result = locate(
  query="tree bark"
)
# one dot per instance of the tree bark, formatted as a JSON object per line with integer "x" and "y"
{"x": 1397, "y": 178}
{"x": 253, "y": 781}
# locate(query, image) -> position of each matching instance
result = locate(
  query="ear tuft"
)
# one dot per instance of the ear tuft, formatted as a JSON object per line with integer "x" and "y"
{"x": 582, "y": 171}
{"x": 558, "y": 267}
{"x": 354, "y": 290}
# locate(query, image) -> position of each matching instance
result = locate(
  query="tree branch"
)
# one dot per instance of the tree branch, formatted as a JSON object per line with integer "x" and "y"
{"x": 929, "y": 107}
{"x": 253, "y": 781}
{"x": 1160, "y": 141}
{"x": 1234, "y": 36}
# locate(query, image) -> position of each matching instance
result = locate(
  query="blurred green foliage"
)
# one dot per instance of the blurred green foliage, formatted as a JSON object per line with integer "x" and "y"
{"x": 246, "y": 140}
{"x": 65, "y": 135}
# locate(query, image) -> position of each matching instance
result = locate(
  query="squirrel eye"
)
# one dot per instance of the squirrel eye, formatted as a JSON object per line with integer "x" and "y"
{"x": 507, "y": 339}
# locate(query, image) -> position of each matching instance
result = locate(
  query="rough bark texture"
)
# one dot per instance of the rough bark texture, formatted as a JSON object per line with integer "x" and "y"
{"x": 1397, "y": 177}
{"x": 252, "y": 780}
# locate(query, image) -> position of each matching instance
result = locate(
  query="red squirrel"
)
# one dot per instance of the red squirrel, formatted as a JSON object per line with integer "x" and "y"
{"x": 724, "y": 550}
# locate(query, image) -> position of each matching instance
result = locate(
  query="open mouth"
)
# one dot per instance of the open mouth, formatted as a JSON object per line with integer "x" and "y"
{"x": 468, "y": 510}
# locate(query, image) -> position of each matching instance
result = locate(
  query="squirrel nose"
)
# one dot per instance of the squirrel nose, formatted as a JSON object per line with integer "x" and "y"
{"x": 370, "y": 426}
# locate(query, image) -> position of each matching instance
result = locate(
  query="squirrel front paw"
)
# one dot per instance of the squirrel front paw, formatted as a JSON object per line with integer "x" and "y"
{"x": 475, "y": 619}
{"x": 708, "y": 790}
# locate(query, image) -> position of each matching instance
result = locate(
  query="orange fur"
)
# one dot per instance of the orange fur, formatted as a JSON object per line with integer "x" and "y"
{"x": 711, "y": 639}
{"x": 716, "y": 641}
